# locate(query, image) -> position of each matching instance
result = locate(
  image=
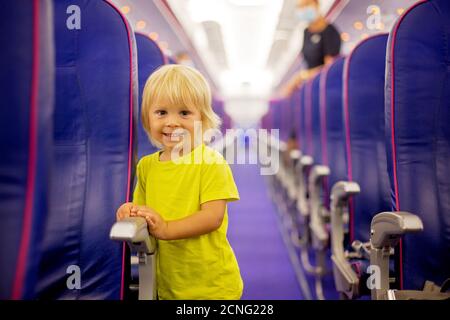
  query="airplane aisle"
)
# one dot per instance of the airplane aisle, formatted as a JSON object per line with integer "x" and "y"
{"x": 256, "y": 240}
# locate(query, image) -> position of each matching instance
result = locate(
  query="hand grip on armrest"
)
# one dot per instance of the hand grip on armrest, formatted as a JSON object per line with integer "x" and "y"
{"x": 306, "y": 161}
{"x": 388, "y": 227}
{"x": 346, "y": 280}
{"x": 386, "y": 230}
{"x": 302, "y": 189}
{"x": 340, "y": 194}
{"x": 317, "y": 223}
{"x": 134, "y": 231}
{"x": 295, "y": 154}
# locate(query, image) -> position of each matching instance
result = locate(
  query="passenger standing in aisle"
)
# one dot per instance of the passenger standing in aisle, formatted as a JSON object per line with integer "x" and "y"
{"x": 321, "y": 42}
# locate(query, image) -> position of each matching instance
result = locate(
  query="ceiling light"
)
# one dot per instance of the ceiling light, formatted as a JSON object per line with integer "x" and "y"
{"x": 153, "y": 35}
{"x": 140, "y": 24}
{"x": 358, "y": 25}
{"x": 345, "y": 36}
{"x": 125, "y": 9}
{"x": 163, "y": 45}
{"x": 248, "y": 3}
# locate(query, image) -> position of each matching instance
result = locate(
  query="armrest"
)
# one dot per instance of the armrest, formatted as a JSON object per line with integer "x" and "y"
{"x": 346, "y": 280}
{"x": 306, "y": 161}
{"x": 295, "y": 154}
{"x": 290, "y": 174}
{"x": 134, "y": 232}
{"x": 340, "y": 195}
{"x": 317, "y": 223}
{"x": 386, "y": 230}
{"x": 301, "y": 171}
{"x": 388, "y": 227}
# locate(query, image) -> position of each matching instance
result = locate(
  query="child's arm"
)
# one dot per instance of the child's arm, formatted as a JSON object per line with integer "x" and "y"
{"x": 206, "y": 220}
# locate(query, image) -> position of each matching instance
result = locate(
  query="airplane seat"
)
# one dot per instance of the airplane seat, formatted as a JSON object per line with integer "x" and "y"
{"x": 318, "y": 212}
{"x": 417, "y": 106}
{"x": 26, "y": 86}
{"x": 305, "y": 161}
{"x": 319, "y": 172}
{"x": 282, "y": 122}
{"x": 307, "y": 147}
{"x": 293, "y": 157}
{"x": 331, "y": 126}
{"x": 150, "y": 58}
{"x": 333, "y": 142}
{"x": 363, "y": 106}
{"x": 314, "y": 125}
{"x": 94, "y": 154}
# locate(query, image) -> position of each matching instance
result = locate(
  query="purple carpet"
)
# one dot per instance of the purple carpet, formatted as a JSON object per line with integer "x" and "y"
{"x": 254, "y": 235}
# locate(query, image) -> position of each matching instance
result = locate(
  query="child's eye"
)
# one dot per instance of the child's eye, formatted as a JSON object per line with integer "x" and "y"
{"x": 160, "y": 112}
{"x": 185, "y": 113}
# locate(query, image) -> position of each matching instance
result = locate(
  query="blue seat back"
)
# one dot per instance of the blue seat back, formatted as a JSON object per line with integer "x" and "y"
{"x": 296, "y": 100}
{"x": 277, "y": 114}
{"x": 332, "y": 124}
{"x": 291, "y": 125}
{"x": 95, "y": 117}
{"x": 305, "y": 119}
{"x": 418, "y": 136}
{"x": 363, "y": 95}
{"x": 315, "y": 120}
{"x": 150, "y": 58}
{"x": 285, "y": 121}
{"x": 27, "y": 89}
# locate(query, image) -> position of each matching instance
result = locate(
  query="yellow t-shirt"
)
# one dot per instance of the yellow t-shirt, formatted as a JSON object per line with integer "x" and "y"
{"x": 202, "y": 267}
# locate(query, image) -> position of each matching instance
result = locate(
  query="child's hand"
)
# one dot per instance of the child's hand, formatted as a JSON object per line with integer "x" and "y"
{"x": 157, "y": 226}
{"x": 124, "y": 211}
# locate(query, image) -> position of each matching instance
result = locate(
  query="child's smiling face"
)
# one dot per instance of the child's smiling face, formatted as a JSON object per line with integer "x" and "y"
{"x": 170, "y": 124}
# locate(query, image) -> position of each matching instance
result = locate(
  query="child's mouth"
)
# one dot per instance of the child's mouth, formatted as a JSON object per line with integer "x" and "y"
{"x": 173, "y": 136}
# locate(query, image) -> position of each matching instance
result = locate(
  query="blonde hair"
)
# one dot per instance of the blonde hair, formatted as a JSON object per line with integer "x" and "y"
{"x": 179, "y": 85}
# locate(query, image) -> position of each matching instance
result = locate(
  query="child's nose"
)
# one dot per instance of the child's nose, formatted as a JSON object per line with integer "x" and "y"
{"x": 172, "y": 121}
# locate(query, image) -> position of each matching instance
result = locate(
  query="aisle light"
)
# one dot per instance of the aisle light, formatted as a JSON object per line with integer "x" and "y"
{"x": 400, "y": 11}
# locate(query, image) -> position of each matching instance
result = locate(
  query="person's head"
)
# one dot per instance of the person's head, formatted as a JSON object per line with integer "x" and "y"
{"x": 307, "y": 10}
{"x": 176, "y": 97}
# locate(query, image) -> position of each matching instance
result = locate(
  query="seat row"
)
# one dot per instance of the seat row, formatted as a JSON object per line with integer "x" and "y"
{"x": 369, "y": 186}
{"x": 70, "y": 136}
